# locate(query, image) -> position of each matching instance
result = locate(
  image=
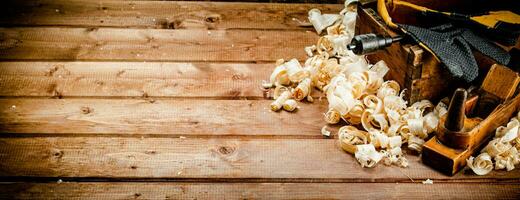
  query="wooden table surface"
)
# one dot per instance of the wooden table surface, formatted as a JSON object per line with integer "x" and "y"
{"x": 160, "y": 99}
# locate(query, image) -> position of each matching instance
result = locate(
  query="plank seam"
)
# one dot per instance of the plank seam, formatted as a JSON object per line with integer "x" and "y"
{"x": 250, "y": 180}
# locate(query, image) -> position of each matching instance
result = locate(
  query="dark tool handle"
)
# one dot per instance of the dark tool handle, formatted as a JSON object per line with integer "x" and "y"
{"x": 456, "y": 111}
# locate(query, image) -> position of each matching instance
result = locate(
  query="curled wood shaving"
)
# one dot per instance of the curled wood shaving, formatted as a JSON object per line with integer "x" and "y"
{"x": 393, "y": 129}
{"x": 373, "y": 121}
{"x": 310, "y": 50}
{"x": 325, "y": 132}
{"x": 367, "y": 155}
{"x": 394, "y": 156}
{"x": 404, "y": 131}
{"x": 503, "y": 150}
{"x": 381, "y": 140}
{"x": 441, "y": 109}
{"x": 388, "y": 88}
{"x": 356, "y": 93}
{"x": 354, "y": 116}
{"x": 393, "y": 117}
{"x": 416, "y": 127}
{"x": 374, "y": 81}
{"x": 337, "y": 29}
{"x": 378, "y": 139}
{"x": 507, "y": 160}
{"x": 358, "y": 86}
{"x": 481, "y": 165}
{"x": 279, "y": 90}
{"x": 374, "y": 103}
{"x": 322, "y": 21}
{"x": 350, "y": 136}
{"x": 359, "y": 66}
{"x": 338, "y": 43}
{"x": 332, "y": 116}
{"x": 394, "y": 103}
{"x": 278, "y": 103}
{"x": 431, "y": 120}
{"x": 279, "y": 76}
{"x": 394, "y": 141}
{"x": 508, "y": 133}
{"x": 337, "y": 104}
{"x": 496, "y": 147}
{"x": 295, "y": 71}
{"x": 422, "y": 105}
{"x": 303, "y": 89}
{"x": 415, "y": 143}
{"x": 290, "y": 105}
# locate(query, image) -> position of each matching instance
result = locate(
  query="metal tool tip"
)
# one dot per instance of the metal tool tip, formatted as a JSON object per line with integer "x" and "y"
{"x": 351, "y": 46}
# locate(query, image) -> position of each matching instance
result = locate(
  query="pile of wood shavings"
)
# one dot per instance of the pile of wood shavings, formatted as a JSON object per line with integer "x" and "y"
{"x": 501, "y": 152}
{"x": 379, "y": 120}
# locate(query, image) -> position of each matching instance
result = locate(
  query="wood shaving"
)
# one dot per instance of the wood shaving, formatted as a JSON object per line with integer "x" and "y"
{"x": 320, "y": 22}
{"x": 415, "y": 143}
{"x": 374, "y": 121}
{"x": 278, "y": 103}
{"x": 481, "y": 165}
{"x": 441, "y": 109}
{"x": 290, "y": 105}
{"x": 279, "y": 76}
{"x": 508, "y": 133}
{"x": 367, "y": 155}
{"x": 310, "y": 50}
{"x": 279, "y": 90}
{"x": 428, "y": 182}
{"x": 325, "y": 132}
{"x": 431, "y": 120}
{"x": 500, "y": 153}
{"x": 416, "y": 127}
{"x": 332, "y": 116}
{"x": 388, "y": 88}
{"x": 496, "y": 147}
{"x": 357, "y": 94}
{"x": 303, "y": 89}
{"x": 350, "y": 136}
{"x": 295, "y": 71}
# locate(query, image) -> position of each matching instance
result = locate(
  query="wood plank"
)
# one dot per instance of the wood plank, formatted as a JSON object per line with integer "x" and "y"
{"x": 132, "y": 79}
{"x": 152, "y": 45}
{"x": 158, "y": 117}
{"x": 74, "y": 190}
{"x": 159, "y": 14}
{"x": 206, "y": 158}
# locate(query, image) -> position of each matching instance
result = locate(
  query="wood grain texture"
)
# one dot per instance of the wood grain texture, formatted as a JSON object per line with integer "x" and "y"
{"x": 159, "y": 14}
{"x": 112, "y": 44}
{"x": 395, "y": 55}
{"x": 205, "y": 158}
{"x": 158, "y": 117}
{"x": 132, "y": 79}
{"x": 98, "y": 190}
{"x": 501, "y": 81}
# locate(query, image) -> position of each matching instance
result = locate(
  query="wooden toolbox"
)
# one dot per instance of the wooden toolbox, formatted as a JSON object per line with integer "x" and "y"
{"x": 416, "y": 69}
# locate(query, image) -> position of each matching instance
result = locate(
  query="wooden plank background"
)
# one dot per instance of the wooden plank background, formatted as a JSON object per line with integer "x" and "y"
{"x": 182, "y": 190}
{"x": 159, "y": 14}
{"x": 162, "y": 100}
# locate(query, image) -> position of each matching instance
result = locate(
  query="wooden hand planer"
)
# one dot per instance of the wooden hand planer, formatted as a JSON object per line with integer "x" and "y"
{"x": 458, "y": 136}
